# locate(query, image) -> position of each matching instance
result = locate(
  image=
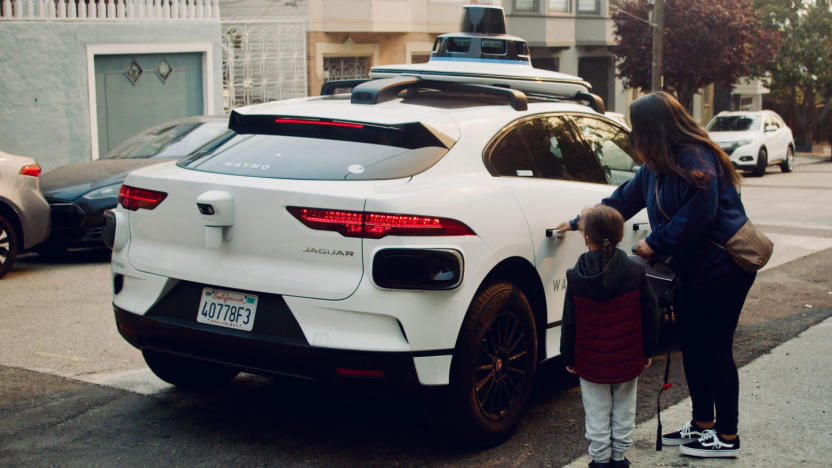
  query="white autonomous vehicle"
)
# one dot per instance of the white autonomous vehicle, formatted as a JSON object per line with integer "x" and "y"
{"x": 400, "y": 232}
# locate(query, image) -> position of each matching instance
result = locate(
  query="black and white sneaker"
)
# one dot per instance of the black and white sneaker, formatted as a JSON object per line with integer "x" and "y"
{"x": 688, "y": 433}
{"x": 711, "y": 445}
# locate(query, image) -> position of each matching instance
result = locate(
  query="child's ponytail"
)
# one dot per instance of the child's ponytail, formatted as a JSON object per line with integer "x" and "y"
{"x": 607, "y": 250}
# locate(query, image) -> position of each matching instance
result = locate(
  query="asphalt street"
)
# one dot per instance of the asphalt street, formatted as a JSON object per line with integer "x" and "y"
{"x": 72, "y": 393}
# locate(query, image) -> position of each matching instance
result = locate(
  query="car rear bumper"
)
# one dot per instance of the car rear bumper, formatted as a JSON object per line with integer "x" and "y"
{"x": 275, "y": 347}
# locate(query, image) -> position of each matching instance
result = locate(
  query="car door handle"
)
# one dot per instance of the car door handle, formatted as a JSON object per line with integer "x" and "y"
{"x": 554, "y": 233}
{"x": 640, "y": 226}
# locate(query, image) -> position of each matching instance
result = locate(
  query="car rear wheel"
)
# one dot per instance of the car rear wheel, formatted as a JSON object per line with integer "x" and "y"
{"x": 762, "y": 163}
{"x": 8, "y": 245}
{"x": 188, "y": 373}
{"x": 788, "y": 163}
{"x": 493, "y": 367}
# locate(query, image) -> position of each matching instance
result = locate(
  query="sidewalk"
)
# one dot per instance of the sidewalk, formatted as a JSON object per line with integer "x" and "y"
{"x": 785, "y": 411}
{"x": 811, "y": 158}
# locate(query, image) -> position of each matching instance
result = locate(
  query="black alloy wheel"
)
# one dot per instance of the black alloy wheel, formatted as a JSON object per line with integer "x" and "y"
{"x": 8, "y": 245}
{"x": 492, "y": 372}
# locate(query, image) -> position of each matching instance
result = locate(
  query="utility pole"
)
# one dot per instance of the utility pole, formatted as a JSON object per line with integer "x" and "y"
{"x": 656, "y": 81}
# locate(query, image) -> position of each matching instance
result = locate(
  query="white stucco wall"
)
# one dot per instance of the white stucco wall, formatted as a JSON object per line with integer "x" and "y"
{"x": 44, "y": 96}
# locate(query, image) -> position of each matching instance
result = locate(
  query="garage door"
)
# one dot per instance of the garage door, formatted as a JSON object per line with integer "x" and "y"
{"x": 134, "y": 92}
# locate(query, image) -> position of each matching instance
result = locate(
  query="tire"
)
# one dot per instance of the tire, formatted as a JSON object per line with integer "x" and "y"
{"x": 188, "y": 373}
{"x": 762, "y": 162}
{"x": 788, "y": 164}
{"x": 493, "y": 367}
{"x": 8, "y": 245}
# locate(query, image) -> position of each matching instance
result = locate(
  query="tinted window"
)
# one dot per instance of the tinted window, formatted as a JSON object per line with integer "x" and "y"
{"x": 510, "y": 156}
{"x": 298, "y": 157}
{"x": 169, "y": 141}
{"x": 458, "y": 44}
{"x": 734, "y": 123}
{"x": 548, "y": 147}
{"x": 611, "y": 146}
{"x": 493, "y": 46}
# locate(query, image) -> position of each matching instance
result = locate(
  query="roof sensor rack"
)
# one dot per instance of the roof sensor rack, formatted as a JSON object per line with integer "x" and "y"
{"x": 329, "y": 87}
{"x": 593, "y": 100}
{"x": 385, "y": 89}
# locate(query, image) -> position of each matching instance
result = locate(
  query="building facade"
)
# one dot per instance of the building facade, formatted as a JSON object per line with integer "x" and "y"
{"x": 78, "y": 78}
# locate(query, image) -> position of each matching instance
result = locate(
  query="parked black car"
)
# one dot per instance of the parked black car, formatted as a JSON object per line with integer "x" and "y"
{"x": 79, "y": 194}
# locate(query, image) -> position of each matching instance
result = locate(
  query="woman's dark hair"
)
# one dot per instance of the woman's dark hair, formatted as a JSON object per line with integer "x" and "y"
{"x": 604, "y": 227}
{"x": 660, "y": 125}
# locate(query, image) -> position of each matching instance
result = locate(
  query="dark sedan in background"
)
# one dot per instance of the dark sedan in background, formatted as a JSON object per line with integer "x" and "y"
{"x": 79, "y": 194}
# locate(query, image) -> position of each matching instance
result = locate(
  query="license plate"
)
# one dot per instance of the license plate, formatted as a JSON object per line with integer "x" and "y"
{"x": 227, "y": 309}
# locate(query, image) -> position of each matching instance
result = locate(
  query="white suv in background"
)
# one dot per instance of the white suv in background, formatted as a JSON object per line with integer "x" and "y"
{"x": 754, "y": 140}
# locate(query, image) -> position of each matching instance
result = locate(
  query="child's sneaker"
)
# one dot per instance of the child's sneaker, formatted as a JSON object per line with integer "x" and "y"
{"x": 688, "y": 433}
{"x": 711, "y": 445}
{"x": 623, "y": 463}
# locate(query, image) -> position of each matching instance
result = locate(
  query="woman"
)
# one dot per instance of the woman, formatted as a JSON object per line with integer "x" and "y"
{"x": 687, "y": 183}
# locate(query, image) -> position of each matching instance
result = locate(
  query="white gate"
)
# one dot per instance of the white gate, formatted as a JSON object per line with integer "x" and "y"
{"x": 263, "y": 60}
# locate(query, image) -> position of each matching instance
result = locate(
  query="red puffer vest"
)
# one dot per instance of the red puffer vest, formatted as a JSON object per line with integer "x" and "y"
{"x": 608, "y": 342}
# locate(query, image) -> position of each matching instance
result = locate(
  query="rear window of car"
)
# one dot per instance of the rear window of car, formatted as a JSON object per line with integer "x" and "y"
{"x": 285, "y": 147}
{"x": 734, "y": 123}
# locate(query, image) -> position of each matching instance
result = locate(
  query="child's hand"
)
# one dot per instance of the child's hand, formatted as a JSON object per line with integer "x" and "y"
{"x": 570, "y": 369}
{"x": 649, "y": 361}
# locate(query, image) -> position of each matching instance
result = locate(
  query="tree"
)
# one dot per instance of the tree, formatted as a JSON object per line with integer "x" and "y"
{"x": 801, "y": 71}
{"x": 705, "y": 42}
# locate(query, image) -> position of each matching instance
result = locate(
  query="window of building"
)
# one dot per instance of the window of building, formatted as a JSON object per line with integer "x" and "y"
{"x": 546, "y": 63}
{"x": 346, "y": 68}
{"x": 526, "y": 6}
{"x": 589, "y": 7}
{"x": 559, "y": 6}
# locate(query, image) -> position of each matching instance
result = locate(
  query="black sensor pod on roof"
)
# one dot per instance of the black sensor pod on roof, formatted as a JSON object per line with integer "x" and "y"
{"x": 483, "y": 20}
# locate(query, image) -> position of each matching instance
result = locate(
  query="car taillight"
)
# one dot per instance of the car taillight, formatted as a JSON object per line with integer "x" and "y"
{"x": 132, "y": 198}
{"x": 31, "y": 170}
{"x": 378, "y": 225}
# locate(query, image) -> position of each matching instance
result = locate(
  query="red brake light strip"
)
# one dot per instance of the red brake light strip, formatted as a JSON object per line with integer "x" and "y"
{"x": 378, "y": 225}
{"x": 31, "y": 170}
{"x": 318, "y": 122}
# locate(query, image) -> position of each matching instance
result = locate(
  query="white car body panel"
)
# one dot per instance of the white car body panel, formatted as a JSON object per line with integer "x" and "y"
{"x": 334, "y": 298}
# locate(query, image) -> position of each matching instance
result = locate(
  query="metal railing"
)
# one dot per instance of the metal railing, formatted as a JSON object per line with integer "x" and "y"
{"x": 110, "y": 10}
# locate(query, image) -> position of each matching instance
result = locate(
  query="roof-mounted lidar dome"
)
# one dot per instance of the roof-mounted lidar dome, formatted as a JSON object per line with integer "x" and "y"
{"x": 483, "y": 38}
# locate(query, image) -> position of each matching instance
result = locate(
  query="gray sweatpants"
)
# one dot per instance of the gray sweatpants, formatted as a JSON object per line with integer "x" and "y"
{"x": 610, "y": 418}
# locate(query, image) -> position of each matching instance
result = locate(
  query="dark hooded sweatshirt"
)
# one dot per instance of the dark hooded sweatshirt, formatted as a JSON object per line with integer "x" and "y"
{"x": 610, "y": 318}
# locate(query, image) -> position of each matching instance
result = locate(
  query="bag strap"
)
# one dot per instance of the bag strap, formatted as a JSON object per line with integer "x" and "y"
{"x": 659, "y": 203}
{"x": 668, "y": 218}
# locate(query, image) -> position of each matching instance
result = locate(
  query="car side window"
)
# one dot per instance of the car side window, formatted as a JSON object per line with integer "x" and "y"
{"x": 545, "y": 147}
{"x": 611, "y": 146}
{"x": 510, "y": 156}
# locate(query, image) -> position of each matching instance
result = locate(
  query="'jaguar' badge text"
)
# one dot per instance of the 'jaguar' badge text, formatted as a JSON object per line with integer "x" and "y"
{"x": 345, "y": 253}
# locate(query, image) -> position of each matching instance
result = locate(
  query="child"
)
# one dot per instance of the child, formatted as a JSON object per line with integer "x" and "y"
{"x": 610, "y": 323}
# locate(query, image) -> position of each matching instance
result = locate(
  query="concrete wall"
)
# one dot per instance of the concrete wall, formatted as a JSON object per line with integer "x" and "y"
{"x": 44, "y": 90}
